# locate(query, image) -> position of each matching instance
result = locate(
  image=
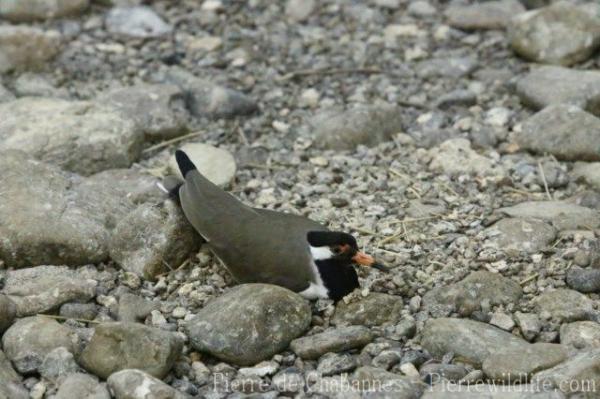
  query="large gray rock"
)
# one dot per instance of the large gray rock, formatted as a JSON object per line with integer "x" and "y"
{"x": 152, "y": 237}
{"x": 336, "y": 340}
{"x": 469, "y": 340}
{"x": 487, "y": 15}
{"x": 515, "y": 236}
{"x": 559, "y": 34}
{"x": 548, "y": 85}
{"x": 565, "y": 305}
{"x": 119, "y": 346}
{"x": 562, "y": 215}
{"x": 159, "y": 110}
{"x": 566, "y": 131}
{"x": 136, "y": 22}
{"x": 31, "y": 10}
{"x": 40, "y": 221}
{"x": 373, "y": 310}
{"x": 28, "y": 341}
{"x": 515, "y": 363}
{"x": 216, "y": 164}
{"x": 79, "y": 136}
{"x": 135, "y": 384}
{"x": 205, "y": 98}
{"x": 43, "y": 288}
{"x": 466, "y": 296}
{"x": 580, "y": 373}
{"x": 8, "y": 312}
{"x": 82, "y": 386}
{"x": 362, "y": 125}
{"x": 265, "y": 318}
{"x": 26, "y": 47}
{"x": 580, "y": 335}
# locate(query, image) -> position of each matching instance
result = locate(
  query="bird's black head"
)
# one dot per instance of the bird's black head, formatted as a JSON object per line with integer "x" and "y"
{"x": 334, "y": 253}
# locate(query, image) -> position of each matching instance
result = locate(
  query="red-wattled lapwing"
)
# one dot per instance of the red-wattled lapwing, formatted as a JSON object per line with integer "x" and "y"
{"x": 264, "y": 246}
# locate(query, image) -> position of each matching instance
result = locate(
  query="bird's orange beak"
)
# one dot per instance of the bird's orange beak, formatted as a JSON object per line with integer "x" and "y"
{"x": 363, "y": 259}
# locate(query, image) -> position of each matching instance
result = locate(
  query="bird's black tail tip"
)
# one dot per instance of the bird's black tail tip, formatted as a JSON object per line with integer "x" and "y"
{"x": 184, "y": 162}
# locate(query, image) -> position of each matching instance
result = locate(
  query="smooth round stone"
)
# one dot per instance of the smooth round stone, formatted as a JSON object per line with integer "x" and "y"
{"x": 216, "y": 164}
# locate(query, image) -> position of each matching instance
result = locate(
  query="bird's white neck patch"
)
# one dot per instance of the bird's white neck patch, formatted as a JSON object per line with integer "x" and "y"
{"x": 321, "y": 253}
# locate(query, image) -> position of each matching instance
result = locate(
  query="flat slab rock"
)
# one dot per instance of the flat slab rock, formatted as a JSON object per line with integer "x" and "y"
{"x": 335, "y": 340}
{"x": 565, "y": 305}
{"x": 79, "y": 136}
{"x": 466, "y": 296}
{"x": 578, "y": 373}
{"x": 43, "y": 288}
{"x": 373, "y": 310}
{"x": 488, "y": 15}
{"x": 546, "y": 85}
{"x": 265, "y": 318}
{"x": 562, "y": 215}
{"x": 514, "y": 235}
{"x": 116, "y": 346}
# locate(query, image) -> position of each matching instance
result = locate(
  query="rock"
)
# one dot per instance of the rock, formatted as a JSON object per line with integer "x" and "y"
{"x": 5, "y": 95}
{"x": 470, "y": 341}
{"x": 460, "y": 97}
{"x": 216, "y": 164}
{"x": 399, "y": 387}
{"x": 159, "y": 110}
{"x": 570, "y": 35}
{"x": 421, "y": 8}
{"x": 28, "y": 341}
{"x": 336, "y": 340}
{"x": 573, "y": 375}
{"x": 78, "y": 136}
{"x": 455, "y": 156}
{"x": 583, "y": 280}
{"x": 206, "y": 99}
{"x": 566, "y": 131}
{"x": 503, "y": 321}
{"x": 32, "y": 10}
{"x": 8, "y": 312}
{"x": 588, "y": 171}
{"x": 58, "y": 363}
{"x": 436, "y": 372}
{"x": 491, "y": 391}
{"x": 580, "y": 335}
{"x": 529, "y": 323}
{"x": 10, "y": 381}
{"x": 38, "y": 233}
{"x": 44, "y": 288}
{"x": 561, "y": 214}
{"x": 299, "y": 10}
{"x": 406, "y": 329}
{"x": 30, "y": 84}
{"x": 372, "y": 310}
{"x": 262, "y": 369}
{"x": 334, "y": 363}
{"x": 516, "y": 363}
{"x": 455, "y": 68}
{"x": 361, "y": 125}
{"x": 116, "y": 346}
{"x": 547, "y": 85}
{"x": 514, "y": 235}
{"x": 565, "y": 305}
{"x": 81, "y": 386}
{"x": 466, "y": 296}
{"x": 133, "y": 308}
{"x": 26, "y": 47}
{"x": 265, "y": 317}
{"x": 136, "y": 384}
{"x": 136, "y": 22}
{"x": 488, "y": 15}
{"x": 152, "y": 237}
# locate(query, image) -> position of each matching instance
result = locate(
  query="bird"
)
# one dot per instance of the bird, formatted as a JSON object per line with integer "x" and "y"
{"x": 265, "y": 246}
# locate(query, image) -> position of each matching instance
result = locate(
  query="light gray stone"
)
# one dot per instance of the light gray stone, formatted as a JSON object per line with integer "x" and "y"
{"x": 137, "y": 22}
{"x": 569, "y": 34}
{"x": 135, "y": 384}
{"x": 78, "y": 136}
{"x": 583, "y": 280}
{"x": 43, "y": 288}
{"x": 521, "y": 363}
{"x": 455, "y": 156}
{"x": 566, "y": 131}
{"x": 514, "y": 236}
{"x": 579, "y": 373}
{"x": 487, "y": 15}
{"x": 5, "y": 94}
{"x": 580, "y": 335}
{"x": 373, "y": 310}
{"x": 82, "y": 386}
{"x": 588, "y": 171}
{"x": 265, "y": 317}
{"x": 335, "y": 340}
{"x": 58, "y": 363}
{"x": 469, "y": 340}
{"x": 30, "y": 84}
{"x": 490, "y": 391}
{"x": 32, "y": 10}
{"x": 561, "y": 214}
{"x": 548, "y": 85}
{"x": 565, "y": 305}
{"x": 28, "y": 341}
{"x": 392, "y": 385}
{"x": 26, "y": 47}
{"x": 361, "y": 125}
{"x": 529, "y": 324}
{"x": 453, "y": 67}
{"x": 299, "y": 10}
{"x": 216, "y": 164}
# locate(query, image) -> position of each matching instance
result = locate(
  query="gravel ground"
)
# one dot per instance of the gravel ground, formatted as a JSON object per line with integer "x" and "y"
{"x": 459, "y": 142}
